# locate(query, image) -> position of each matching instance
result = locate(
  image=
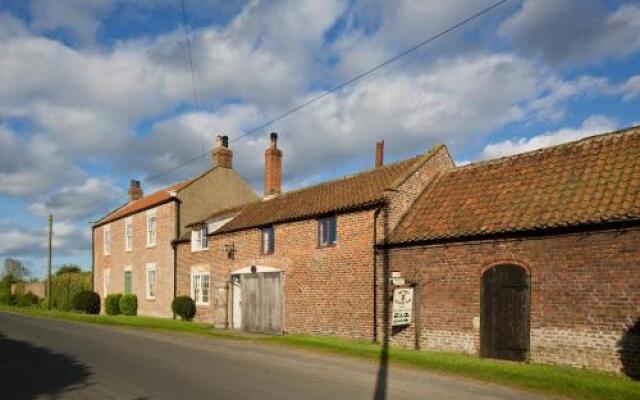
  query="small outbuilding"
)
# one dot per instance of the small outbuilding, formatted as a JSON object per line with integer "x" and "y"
{"x": 530, "y": 257}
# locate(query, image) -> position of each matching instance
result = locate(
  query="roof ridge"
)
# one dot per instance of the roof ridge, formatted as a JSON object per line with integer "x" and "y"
{"x": 343, "y": 178}
{"x": 588, "y": 139}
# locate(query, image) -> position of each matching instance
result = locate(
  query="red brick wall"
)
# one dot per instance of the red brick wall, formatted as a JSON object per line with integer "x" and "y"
{"x": 585, "y": 294}
{"x": 161, "y": 254}
{"x": 328, "y": 291}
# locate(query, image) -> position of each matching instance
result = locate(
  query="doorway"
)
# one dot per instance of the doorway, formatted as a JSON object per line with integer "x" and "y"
{"x": 505, "y": 309}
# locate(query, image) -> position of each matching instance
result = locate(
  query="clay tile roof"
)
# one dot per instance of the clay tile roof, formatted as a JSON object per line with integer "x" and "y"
{"x": 591, "y": 181}
{"x": 154, "y": 199}
{"x": 349, "y": 193}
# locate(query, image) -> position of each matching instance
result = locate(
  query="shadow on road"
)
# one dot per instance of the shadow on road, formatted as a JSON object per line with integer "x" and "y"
{"x": 380, "y": 392}
{"x": 27, "y": 371}
{"x": 629, "y": 351}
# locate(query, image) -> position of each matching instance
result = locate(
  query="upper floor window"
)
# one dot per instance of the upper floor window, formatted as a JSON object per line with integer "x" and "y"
{"x": 151, "y": 228}
{"x": 107, "y": 240}
{"x": 199, "y": 239}
{"x": 267, "y": 240}
{"x": 327, "y": 231}
{"x": 151, "y": 281}
{"x": 128, "y": 234}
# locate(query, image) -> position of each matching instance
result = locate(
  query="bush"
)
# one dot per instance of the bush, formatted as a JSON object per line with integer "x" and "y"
{"x": 7, "y": 299}
{"x": 112, "y": 304}
{"x": 185, "y": 307}
{"x": 129, "y": 304}
{"x": 87, "y": 302}
{"x": 26, "y": 299}
{"x": 65, "y": 286}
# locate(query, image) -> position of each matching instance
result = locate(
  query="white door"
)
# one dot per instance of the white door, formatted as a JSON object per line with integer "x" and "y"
{"x": 237, "y": 305}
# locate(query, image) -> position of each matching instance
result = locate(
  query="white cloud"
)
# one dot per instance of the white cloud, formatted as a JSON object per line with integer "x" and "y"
{"x": 76, "y": 201}
{"x": 574, "y": 31}
{"x": 68, "y": 239}
{"x": 592, "y": 125}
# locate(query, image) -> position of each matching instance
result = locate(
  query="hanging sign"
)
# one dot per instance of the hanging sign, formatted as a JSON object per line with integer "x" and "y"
{"x": 402, "y": 306}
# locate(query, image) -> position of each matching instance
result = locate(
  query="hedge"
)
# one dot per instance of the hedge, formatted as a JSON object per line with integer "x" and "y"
{"x": 112, "y": 304}
{"x": 65, "y": 286}
{"x": 86, "y": 301}
{"x": 129, "y": 304}
{"x": 26, "y": 299}
{"x": 185, "y": 307}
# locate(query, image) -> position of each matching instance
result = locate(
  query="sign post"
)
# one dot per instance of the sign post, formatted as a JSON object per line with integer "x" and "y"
{"x": 402, "y": 306}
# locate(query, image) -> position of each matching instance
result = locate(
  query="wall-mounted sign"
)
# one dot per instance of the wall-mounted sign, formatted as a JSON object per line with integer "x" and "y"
{"x": 402, "y": 306}
{"x": 396, "y": 278}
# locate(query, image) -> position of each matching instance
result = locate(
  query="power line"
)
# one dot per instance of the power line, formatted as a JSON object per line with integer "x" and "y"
{"x": 317, "y": 98}
{"x": 187, "y": 39}
{"x": 346, "y": 83}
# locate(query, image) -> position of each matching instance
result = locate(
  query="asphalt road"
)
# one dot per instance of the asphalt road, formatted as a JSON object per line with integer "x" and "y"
{"x": 47, "y": 359}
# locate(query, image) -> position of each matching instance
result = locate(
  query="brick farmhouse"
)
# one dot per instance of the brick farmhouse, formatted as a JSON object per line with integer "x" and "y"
{"x": 132, "y": 245}
{"x": 531, "y": 257}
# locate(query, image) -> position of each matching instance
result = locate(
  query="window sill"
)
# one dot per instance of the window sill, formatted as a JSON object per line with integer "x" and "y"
{"x": 151, "y": 246}
{"x": 327, "y": 246}
{"x": 199, "y": 250}
{"x": 203, "y": 304}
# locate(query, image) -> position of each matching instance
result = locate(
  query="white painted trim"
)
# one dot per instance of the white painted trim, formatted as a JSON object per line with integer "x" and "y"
{"x": 128, "y": 223}
{"x": 200, "y": 273}
{"x": 106, "y": 276}
{"x": 259, "y": 268}
{"x": 106, "y": 240}
{"x": 151, "y": 214}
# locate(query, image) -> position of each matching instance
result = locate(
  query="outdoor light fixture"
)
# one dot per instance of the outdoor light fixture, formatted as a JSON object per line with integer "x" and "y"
{"x": 230, "y": 249}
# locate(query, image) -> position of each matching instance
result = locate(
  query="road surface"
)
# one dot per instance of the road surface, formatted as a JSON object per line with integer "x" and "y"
{"x": 47, "y": 359}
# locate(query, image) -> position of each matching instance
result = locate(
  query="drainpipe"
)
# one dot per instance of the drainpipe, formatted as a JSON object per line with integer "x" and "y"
{"x": 174, "y": 244}
{"x": 93, "y": 259}
{"x": 375, "y": 274}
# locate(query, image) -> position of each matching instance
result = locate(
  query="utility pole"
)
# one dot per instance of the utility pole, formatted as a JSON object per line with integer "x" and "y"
{"x": 49, "y": 262}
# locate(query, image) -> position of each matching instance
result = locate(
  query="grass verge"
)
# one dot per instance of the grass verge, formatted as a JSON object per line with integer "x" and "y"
{"x": 549, "y": 380}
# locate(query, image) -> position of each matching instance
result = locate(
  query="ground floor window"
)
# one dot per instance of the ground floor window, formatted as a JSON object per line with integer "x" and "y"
{"x": 200, "y": 287}
{"x": 106, "y": 278}
{"x": 128, "y": 276}
{"x": 151, "y": 281}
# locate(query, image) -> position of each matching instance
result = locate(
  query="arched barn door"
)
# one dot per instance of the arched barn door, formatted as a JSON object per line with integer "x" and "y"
{"x": 505, "y": 307}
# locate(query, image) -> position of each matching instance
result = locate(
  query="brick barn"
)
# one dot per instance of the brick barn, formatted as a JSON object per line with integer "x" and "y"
{"x": 301, "y": 261}
{"x": 530, "y": 257}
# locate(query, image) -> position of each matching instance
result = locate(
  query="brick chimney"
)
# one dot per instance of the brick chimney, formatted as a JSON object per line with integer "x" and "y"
{"x": 221, "y": 155}
{"x": 272, "y": 168}
{"x": 135, "y": 190}
{"x": 380, "y": 154}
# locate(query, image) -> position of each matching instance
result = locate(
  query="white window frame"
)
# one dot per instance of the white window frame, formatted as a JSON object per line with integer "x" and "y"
{"x": 151, "y": 294}
{"x": 106, "y": 240}
{"x": 152, "y": 236}
{"x": 196, "y": 288}
{"x": 106, "y": 281}
{"x": 127, "y": 268}
{"x": 199, "y": 239}
{"x": 128, "y": 234}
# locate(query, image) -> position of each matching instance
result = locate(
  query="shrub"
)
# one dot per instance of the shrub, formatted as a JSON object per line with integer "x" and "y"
{"x": 7, "y": 299}
{"x": 87, "y": 302}
{"x": 112, "y": 304}
{"x": 26, "y": 299}
{"x": 185, "y": 307}
{"x": 129, "y": 304}
{"x": 65, "y": 286}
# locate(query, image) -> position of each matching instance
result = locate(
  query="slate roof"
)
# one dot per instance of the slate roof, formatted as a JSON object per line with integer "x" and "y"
{"x": 592, "y": 181}
{"x": 358, "y": 191}
{"x": 154, "y": 199}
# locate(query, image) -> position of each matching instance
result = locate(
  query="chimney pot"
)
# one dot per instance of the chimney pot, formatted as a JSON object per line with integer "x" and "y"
{"x": 135, "y": 191}
{"x": 380, "y": 154}
{"x": 273, "y": 168}
{"x": 221, "y": 155}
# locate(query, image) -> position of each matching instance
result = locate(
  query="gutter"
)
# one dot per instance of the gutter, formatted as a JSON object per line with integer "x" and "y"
{"x": 93, "y": 259}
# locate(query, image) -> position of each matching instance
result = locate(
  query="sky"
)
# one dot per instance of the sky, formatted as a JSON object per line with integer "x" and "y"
{"x": 94, "y": 93}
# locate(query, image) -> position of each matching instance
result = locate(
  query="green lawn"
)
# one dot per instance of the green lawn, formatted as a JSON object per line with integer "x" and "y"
{"x": 550, "y": 380}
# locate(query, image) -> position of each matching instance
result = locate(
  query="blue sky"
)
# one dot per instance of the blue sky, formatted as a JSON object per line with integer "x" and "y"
{"x": 96, "y": 92}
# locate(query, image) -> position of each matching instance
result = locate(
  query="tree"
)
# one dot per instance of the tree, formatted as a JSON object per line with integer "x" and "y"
{"x": 14, "y": 271}
{"x": 68, "y": 268}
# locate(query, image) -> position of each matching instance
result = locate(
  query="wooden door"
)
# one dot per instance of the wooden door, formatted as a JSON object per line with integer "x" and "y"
{"x": 505, "y": 309}
{"x": 262, "y": 302}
